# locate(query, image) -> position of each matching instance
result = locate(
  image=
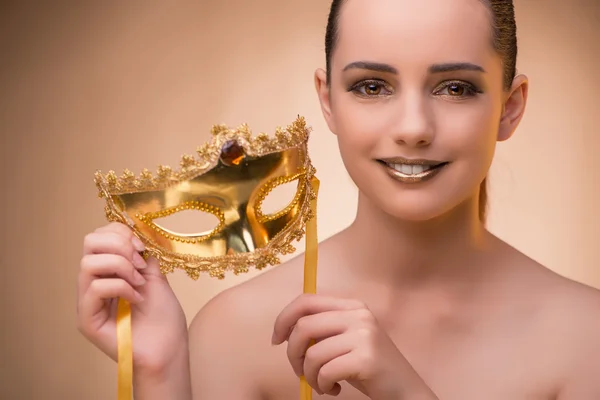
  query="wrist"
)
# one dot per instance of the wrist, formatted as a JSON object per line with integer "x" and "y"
{"x": 170, "y": 379}
{"x": 163, "y": 370}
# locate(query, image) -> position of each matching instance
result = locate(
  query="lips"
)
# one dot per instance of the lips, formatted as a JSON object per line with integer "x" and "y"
{"x": 412, "y": 170}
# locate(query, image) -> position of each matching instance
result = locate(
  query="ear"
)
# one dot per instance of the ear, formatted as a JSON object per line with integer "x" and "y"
{"x": 324, "y": 93}
{"x": 514, "y": 107}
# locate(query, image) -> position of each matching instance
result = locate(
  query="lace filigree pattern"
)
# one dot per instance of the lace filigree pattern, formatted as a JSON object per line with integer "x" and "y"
{"x": 110, "y": 186}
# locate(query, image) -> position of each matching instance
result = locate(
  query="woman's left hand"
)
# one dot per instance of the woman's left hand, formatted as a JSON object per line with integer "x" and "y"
{"x": 349, "y": 345}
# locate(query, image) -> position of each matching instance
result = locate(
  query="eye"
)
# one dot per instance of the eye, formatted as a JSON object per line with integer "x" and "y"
{"x": 189, "y": 222}
{"x": 278, "y": 197}
{"x": 457, "y": 89}
{"x": 371, "y": 88}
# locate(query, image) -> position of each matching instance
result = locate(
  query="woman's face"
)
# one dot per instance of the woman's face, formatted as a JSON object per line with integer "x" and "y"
{"x": 416, "y": 100}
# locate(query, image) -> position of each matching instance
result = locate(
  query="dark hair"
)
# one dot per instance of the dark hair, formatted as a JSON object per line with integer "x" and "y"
{"x": 504, "y": 40}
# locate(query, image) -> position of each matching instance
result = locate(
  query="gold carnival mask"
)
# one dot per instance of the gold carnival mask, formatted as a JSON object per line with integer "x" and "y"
{"x": 230, "y": 178}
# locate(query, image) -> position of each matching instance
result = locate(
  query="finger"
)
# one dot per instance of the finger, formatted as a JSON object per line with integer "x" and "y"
{"x": 113, "y": 243}
{"x": 116, "y": 227}
{"x": 125, "y": 231}
{"x": 336, "y": 369}
{"x": 321, "y": 354}
{"x": 108, "y": 265}
{"x": 314, "y": 327}
{"x": 308, "y": 305}
{"x": 153, "y": 269}
{"x": 94, "y": 299}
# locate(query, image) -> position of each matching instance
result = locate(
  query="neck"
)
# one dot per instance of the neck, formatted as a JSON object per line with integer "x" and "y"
{"x": 399, "y": 252}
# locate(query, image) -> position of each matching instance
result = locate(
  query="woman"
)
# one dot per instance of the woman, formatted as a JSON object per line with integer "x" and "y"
{"x": 416, "y": 299}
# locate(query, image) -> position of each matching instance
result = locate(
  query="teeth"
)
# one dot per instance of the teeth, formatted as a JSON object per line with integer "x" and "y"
{"x": 410, "y": 169}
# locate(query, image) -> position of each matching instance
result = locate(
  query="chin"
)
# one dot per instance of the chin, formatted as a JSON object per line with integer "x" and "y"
{"x": 415, "y": 202}
{"x": 415, "y": 209}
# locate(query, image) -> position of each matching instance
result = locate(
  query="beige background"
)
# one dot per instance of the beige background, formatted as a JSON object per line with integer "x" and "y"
{"x": 110, "y": 85}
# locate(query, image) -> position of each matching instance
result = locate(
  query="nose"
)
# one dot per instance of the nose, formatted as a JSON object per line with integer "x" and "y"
{"x": 414, "y": 125}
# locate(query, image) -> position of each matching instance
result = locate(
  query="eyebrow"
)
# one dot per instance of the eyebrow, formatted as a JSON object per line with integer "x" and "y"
{"x": 434, "y": 69}
{"x": 451, "y": 67}
{"x": 372, "y": 66}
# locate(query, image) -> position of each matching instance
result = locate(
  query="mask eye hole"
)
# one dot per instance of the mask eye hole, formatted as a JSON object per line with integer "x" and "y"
{"x": 190, "y": 222}
{"x": 278, "y": 197}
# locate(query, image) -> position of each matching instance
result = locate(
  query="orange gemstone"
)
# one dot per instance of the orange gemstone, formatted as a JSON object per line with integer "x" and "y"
{"x": 232, "y": 153}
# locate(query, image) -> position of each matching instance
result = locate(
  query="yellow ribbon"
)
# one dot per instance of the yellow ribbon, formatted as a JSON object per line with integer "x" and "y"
{"x": 124, "y": 351}
{"x": 310, "y": 269}
{"x": 124, "y": 341}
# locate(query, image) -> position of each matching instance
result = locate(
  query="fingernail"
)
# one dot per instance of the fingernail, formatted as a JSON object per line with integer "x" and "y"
{"x": 275, "y": 340}
{"x": 137, "y": 244}
{"x": 138, "y": 261}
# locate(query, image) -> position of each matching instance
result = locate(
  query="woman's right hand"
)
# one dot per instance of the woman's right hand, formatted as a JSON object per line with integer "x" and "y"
{"x": 111, "y": 267}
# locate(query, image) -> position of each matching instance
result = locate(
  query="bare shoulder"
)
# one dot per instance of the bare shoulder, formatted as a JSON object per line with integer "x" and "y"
{"x": 569, "y": 328}
{"x": 563, "y": 301}
{"x": 571, "y": 302}
{"x": 578, "y": 315}
{"x": 255, "y": 300}
{"x": 251, "y": 307}
{"x": 230, "y": 337}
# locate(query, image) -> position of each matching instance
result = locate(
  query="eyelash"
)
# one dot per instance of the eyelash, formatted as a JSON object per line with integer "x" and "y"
{"x": 363, "y": 84}
{"x": 471, "y": 89}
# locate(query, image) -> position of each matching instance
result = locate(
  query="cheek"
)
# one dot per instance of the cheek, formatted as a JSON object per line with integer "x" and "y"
{"x": 359, "y": 128}
{"x": 468, "y": 131}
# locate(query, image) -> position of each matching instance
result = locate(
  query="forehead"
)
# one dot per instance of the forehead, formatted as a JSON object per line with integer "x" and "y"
{"x": 408, "y": 30}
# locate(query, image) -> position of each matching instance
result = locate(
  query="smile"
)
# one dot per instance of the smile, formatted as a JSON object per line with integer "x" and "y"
{"x": 412, "y": 171}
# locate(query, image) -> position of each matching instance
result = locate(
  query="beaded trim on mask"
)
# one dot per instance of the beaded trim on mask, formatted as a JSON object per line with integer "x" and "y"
{"x": 295, "y": 135}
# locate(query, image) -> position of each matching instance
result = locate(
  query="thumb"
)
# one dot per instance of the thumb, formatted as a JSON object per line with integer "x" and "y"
{"x": 153, "y": 269}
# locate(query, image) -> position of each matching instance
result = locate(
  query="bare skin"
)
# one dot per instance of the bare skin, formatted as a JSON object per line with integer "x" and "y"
{"x": 514, "y": 331}
{"x": 416, "y": 299}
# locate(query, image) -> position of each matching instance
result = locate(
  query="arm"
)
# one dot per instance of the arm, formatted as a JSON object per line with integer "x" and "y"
{"x": 221, "y": 351}
{"x": 215, "y": 362}
{"x": 172, "y": 382}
